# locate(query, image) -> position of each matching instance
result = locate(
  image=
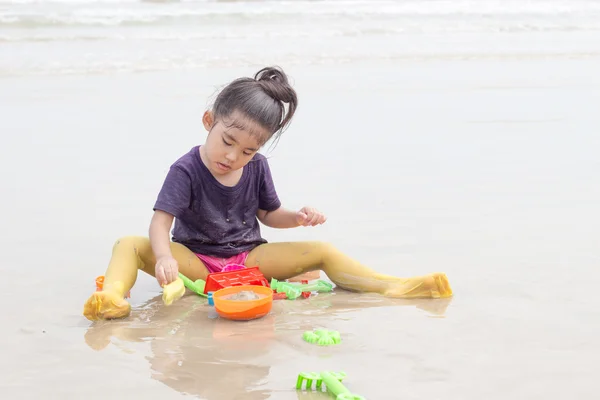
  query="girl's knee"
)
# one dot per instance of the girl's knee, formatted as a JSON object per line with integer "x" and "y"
{"x": 325, "y": 250}
{"x": 327, "y": 247}
{"x": 139, "y": 246}
{"x": 136, "y": 243}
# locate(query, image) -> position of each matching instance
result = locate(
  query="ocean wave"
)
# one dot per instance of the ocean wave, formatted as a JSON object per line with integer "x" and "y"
{"x": 97, "y": 21}
{"x": 428, "y": 6}
{"x": 159, "y": 36}
{"x": 181, "y": 64}
{"x": 132, "y": 14}
{"x": 320, "y": 32}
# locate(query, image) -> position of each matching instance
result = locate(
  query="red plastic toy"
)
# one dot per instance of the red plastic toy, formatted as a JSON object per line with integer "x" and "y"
{"x": 279, "y": 296}
{"x": 246, "y": 276}
{"x": 305, "y": 295}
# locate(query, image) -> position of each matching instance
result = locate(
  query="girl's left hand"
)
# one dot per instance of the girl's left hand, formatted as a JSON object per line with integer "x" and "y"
{"x": 309, "y": 216}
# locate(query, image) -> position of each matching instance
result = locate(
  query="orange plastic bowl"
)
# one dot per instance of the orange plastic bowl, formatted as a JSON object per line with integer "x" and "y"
{"x": 243, "y": 310}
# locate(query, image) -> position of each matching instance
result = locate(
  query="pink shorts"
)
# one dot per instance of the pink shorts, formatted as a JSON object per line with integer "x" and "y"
{"x": 216, "y": 264}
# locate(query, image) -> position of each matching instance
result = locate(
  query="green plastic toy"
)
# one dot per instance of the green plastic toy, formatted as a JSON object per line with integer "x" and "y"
{"x": 322, "y": 337}
{"x": 195, "y": 286}
{"x": 294, "y": 290}
{"x": 291, "y": 291}
{"x": 332, "y": 381}
{"x": 318, "y": 286}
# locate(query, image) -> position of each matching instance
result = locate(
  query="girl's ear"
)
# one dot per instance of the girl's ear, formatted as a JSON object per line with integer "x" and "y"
{"x": 208, "y": 120}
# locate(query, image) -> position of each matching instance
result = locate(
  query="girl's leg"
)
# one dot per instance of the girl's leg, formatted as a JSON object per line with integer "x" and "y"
{"x": 285, "y": 260}
{"x": 128, "y": 255}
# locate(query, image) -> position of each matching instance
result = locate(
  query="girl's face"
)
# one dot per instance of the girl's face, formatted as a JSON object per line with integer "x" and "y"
{"x": 229, "y": 147}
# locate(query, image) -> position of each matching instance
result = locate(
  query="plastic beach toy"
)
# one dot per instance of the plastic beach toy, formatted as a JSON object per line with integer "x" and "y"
{"x": 295, "y": 290}
{"x": 240, "y": 277}
{"x": 241, "y": 309}
{"x": 291, "y": 291}
{"x": 332, "y": 382}
{"x": 173, "y": 291}
{"x": 279, "y": 296}
{"x": 196, "y": 286}
{"x": 322, "y": 337}
{"x": 212, "y": 313}
{"x": 318, "y": 286}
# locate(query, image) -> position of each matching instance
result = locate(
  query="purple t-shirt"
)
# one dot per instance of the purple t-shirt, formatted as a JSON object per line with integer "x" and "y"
{"x": 211, "y": 218}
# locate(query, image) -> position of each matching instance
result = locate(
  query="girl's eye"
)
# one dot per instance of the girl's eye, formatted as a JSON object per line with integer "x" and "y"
{"x": 226, "y": 143}
{"x": 248, "y": 154}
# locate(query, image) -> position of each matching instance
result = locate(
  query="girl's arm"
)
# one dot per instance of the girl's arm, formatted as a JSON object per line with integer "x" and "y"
{"x": 159, "y": 234}
{"x": 166, "y": 269}
{"x": 284, "y": 218}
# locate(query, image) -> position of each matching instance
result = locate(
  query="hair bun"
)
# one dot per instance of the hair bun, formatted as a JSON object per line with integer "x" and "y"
{"x": 275, "y": 83}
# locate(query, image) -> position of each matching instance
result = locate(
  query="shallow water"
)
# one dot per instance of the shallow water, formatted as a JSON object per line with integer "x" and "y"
{"x": 470, "y": 151}
{"x": 49, "y": 37}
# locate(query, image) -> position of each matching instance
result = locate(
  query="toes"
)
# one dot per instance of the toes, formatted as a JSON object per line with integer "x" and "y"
{"x": 443, "y": 285}
{"x": 116, "y": 308}
{"x": 92, "y": 307}
{"x": 101, "y": 306}
{"x": 430, "y": 283}
{"x": 434, "y": 286}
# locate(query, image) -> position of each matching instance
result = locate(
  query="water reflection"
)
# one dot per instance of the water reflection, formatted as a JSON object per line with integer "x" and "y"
{"x": 217, "y": 358}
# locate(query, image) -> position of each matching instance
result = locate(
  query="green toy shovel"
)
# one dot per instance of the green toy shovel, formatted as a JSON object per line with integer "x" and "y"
{"x": 332, "y": 382}
{"x": 195, "y": 286}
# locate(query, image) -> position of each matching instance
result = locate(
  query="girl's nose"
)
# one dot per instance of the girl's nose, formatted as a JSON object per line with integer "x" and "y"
{"x": 231, "y": 156}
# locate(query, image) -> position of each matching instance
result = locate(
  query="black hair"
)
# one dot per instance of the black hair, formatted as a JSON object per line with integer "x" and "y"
{"x": 261, "y": 99}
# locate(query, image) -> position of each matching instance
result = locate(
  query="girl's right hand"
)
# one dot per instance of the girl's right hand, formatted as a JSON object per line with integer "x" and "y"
{"x": 166, "y": 270}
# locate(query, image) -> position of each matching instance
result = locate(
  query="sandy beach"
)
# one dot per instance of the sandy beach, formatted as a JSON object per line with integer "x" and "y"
{"x": 437, "y": 136}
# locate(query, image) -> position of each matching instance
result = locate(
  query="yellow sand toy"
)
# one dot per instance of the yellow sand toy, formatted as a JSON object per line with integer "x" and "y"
{"x": 173, "y": 291}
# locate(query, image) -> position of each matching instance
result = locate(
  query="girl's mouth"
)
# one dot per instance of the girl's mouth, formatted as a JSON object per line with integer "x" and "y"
{"x": 223, "y": 166}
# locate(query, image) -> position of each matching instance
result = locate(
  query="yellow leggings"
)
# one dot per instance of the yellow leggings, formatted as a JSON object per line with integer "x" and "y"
{"x": 275, "y": 260}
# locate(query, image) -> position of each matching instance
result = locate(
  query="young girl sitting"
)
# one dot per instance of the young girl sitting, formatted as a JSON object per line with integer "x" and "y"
{"x": 218, "y": 192}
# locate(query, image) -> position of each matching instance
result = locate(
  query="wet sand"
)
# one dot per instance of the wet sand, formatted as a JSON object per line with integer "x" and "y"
{"x": 485, "y": 170}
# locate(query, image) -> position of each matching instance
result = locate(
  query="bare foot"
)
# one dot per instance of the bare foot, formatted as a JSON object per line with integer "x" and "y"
{"x": 434, "y": 286}
{"x": 105, "y": 305}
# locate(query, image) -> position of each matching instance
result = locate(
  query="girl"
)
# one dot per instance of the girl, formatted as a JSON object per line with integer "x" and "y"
{"x": 218, "y": 192}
